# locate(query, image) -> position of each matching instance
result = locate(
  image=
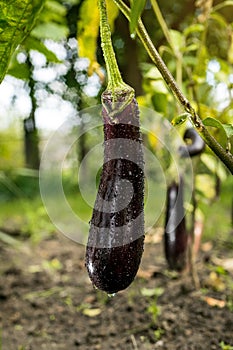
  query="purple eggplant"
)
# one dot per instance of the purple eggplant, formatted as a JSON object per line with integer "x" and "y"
{"x": 175, "y": 236}
{"x": 116, "y": 235}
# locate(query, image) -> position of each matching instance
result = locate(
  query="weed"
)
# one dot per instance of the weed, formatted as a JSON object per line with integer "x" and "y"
{"x": 152, "y": 294}
{"x": 158, "y": 333}
{"x": 225, "y": 346}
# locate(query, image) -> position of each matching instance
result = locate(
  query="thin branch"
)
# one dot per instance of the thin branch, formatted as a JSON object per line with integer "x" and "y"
{"x": 225, "y": 157}
{"x": 166, "y": 32}
{"x": 163, "y": 26}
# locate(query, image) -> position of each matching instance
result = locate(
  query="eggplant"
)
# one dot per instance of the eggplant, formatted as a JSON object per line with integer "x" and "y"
{"x": 116, "y": 235}
{"x": 176, "y": 239}
{"x": 196, "y": 146}
{"x": 175, "y": 235}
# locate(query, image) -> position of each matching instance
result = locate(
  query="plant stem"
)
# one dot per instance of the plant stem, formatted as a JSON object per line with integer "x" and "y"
{"x": 225, "y": 157}
{"x": 115, "y": 81}
{"x": 175, "y": 50}
{"x": 163, "y": 25}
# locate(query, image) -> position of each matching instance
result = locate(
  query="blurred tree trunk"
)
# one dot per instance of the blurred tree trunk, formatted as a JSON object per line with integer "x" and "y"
{"x": 31, "y": 143}
{"x": 130, "y": 67}
{"x": 71, "y": 76}
{"x": 31, "y": 137}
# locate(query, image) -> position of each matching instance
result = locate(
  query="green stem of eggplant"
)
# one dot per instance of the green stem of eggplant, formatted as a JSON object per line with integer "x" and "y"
{"x": 220, "y": 152}
{"x": 116, "y": 84}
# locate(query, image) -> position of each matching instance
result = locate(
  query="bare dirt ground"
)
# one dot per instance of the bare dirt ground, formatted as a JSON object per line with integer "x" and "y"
{"x": 47, "y": 301}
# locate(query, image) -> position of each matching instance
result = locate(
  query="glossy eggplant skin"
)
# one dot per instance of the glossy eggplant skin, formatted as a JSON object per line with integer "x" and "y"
{"x": 116, "y": 235}
{"x": 175, "y": 236}
{"x": 196, "y": 147}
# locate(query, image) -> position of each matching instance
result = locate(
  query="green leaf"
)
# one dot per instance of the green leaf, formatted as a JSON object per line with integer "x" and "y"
{"x": 52, "y": 31}
{"x": 54, "y": 7}
{"x": 202, "y": 62}
{"x": 192, "y": 47}
{"x": 209, "y": 121}
{"x": 35, "y": 44}
{"x": 19, "y": 71}
{"x": 230, "y": 50}
{"x": 88, "y": 27}
{"x": 113, "y": 12}
{"x": 210, "y": 162}
{"x": 136, "y": 11}
{"x": 219, "y": 19}
{"x": 222, "y": 5}
{"x": 190, "y": 60}
{"x": 88, "y": 30}
{"x": 180, "y": 119}
{"x": 226, "y": 128}
{"x": 150, "y": 292}
{"x": 152, "y": 73}
{"x": 16, "y": 69}
{"x": 159, "y": 101}
{"x": 205, "y": 185}
{"x": 17, "y": 19}
{"x": 178, "y": 40}
{"x": 194, "y": 28}
{"x": 53, "y": 13}
{"x": 159, "y": 86}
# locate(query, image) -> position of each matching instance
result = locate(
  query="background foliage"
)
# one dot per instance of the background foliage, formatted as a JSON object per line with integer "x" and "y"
{"x": 51, "y": 50}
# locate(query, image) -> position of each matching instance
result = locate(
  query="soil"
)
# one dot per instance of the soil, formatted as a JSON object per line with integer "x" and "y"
{"x": 47, "y": 301}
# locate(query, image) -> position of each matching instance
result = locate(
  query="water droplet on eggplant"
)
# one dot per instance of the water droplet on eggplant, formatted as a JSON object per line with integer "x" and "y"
{"x": 111, "y": 295}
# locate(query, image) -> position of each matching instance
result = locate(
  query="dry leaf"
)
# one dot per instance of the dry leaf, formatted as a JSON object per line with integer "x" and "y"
{"x": 89, "y": 299}
{"x": 148, "y": 273}
{"x": 207, "y": 246}
{"x": 92, "y": 312}
{"x": 215, "y": 302}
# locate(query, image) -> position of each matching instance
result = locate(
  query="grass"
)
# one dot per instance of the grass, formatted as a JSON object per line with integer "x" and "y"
{"x": 23, "y": 212}
{"x": 26, "y": 217}
{"x": 218, "y": 214}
